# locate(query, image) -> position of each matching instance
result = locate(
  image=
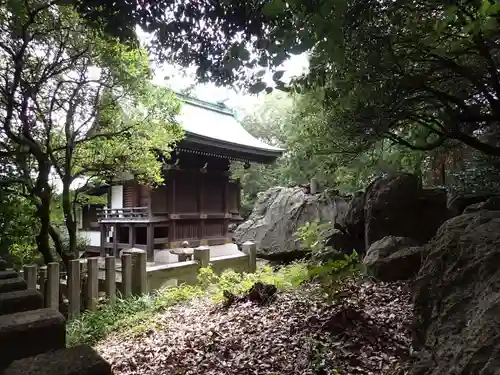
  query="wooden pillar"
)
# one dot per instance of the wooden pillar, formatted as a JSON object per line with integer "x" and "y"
{"x": 172, "y": 209}
{"x": 115, "y": 240}
{"x": 225, "y": 195}
{"x": 103, "y": 240}
{"x": 238, "y": 195}
{"x": 150, "y": 242}
{"x": 225, "y": 199}
{"x": 201, "y": 206}
{"x": 131, "y": 235}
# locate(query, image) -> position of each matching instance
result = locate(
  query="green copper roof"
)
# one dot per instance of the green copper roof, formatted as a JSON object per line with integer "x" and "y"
{"x": 215, "y": 124}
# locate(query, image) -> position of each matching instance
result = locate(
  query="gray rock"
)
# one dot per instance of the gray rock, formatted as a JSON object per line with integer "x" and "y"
{"x": 340, "y": 241}
{"x": 456, "y": 298}
{"x": 8, "y": 274}
{"x": 457, "y": 203}
{"x": 396, "y": 205}
{"x": 280, "y": 211}
{"x": 78, "y": 360}
{"x": 29, "y": 333}
{"x": 393, "y": 258}
{"x": 20, "y": 300}
{"x": 492, "y": 204}
{"x": 355, "y": 221}
{"x": 12, "y": 284}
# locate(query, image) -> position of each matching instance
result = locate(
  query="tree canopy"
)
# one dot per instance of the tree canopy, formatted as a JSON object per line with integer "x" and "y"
{"x": 419, "y": 73}
{"x": 79, "y": 104}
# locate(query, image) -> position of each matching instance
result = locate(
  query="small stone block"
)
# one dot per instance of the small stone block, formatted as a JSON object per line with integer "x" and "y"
{"x": 11, "y": 285}
{"x": 30, "y": 333}
{"x": 3, "y": 265}
{"x": 78, "y": 360}
{"x": 20, "y": 300}
{"x": 8, "y": 274}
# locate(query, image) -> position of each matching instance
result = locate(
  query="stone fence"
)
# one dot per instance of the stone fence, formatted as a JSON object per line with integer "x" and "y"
{"x": 91, "y": 280}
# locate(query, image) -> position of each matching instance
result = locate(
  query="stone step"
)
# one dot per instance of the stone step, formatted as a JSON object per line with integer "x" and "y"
{"x": 11, "y": 285}
{"x": 30, "y": 333}
{"x": 78, "y": 360}
{"x": 20, "y": 300}
{"x": 8, "y": 274}
{"x": 3, "y": 265}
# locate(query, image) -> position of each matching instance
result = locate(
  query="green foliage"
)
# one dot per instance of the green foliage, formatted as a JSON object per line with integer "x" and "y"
{"x": 326, "y": 265}
{"x": 18, "y": 227}
{"x": 135, "y": 315}
{"x": 312, "y": 235}
{"x": 480, "y": 176}
{"x": 91, "y": 327}
{"x": 315, "y": 148}
{"x": 93, "y": 113}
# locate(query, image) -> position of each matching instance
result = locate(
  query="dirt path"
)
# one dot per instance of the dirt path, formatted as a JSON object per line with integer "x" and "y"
{"x": 364, "y": 332}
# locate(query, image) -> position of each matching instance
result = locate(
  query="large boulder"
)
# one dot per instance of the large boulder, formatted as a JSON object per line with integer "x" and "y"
{"x": 457, "y": 203}
{"x": 492, "y": 204}
{"x": 393, "y": 258}
{"x": 279, "y": 212}
{"x": 456, "y": 298}
{"x": 355, "y": 221}
{"x": 397, "y": 205}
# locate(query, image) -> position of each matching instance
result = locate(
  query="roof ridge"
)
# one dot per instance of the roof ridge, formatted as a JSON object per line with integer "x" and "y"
{"x": 218, "y": 107}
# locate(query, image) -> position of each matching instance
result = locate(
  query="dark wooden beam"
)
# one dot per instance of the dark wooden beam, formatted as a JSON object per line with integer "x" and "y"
{"x": 103, "y": 240}
{"x": 150, "y": 242}
{"x": 115, "y": 240}
{"x": 131, "y": 235}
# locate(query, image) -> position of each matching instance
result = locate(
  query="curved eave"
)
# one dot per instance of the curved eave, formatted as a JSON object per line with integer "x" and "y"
{"x": 230, "y": 150}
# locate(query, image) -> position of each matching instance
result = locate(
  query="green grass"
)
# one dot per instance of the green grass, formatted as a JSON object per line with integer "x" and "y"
{"x": 136, "y": 315}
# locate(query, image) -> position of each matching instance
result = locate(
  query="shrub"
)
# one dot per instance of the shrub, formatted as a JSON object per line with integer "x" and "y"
{"x": 312, "y": 235}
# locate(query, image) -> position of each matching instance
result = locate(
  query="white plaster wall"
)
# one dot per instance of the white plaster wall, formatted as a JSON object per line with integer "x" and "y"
{"x": 117, "y": 196}
{"x": 93, "y": 237}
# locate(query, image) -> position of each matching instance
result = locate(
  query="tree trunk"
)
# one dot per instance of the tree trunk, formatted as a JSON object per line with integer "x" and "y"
{"x": 43, "y": 213}
{"x": 56, "y": 238}
{"x": 69, "y": 218}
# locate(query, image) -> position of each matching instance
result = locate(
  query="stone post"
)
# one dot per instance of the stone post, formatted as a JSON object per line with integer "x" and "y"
{"x": 43, "y": 282}
{"x": 30, "y": 276}
{"x": 74, "y": 287}
{"x": 250, "y": 249}
{"x": 110, "y": 278}
{"x": 139, "y": 274}
{"x": 202, "y": 255}
{"x": 314, "y": 186}
{"x": 126, "y": 288}
{"x": 92, "y": 283}
{"x": 52, "y": 290}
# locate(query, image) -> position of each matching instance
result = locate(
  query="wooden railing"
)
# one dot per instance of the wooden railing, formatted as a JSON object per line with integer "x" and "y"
{"x": 80, "y": 286}
{"x": 85, "y": 284}
{"x": 129, "y": 213}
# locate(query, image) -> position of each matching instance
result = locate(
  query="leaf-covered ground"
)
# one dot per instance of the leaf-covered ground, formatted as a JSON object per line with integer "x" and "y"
{"x": 365, "y": 329}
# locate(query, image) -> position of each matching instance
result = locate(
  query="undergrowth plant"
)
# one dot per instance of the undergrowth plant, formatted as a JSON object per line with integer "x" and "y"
{"x": 137, "y": 314}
